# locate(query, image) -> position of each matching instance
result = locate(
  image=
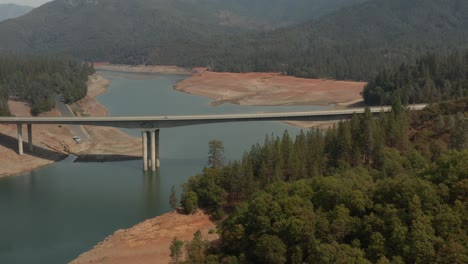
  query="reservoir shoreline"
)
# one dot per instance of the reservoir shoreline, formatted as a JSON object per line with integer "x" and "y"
{"x": 150, "y": 240}
{"x": 111, "y": 144}
{"x": 150, "y": 188}
{"x": 54, "y": 143}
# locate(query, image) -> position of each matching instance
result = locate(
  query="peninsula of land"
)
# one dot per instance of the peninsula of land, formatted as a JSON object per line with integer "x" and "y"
{"x": 272, "y": 89}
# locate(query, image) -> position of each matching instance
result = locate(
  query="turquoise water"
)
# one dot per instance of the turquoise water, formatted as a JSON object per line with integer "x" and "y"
{"x": 53, "y": 214}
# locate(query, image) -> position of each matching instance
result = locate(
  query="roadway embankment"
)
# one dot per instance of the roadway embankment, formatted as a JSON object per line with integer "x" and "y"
{"x": 53, "y": 143}
{"x": 105, "y": 143}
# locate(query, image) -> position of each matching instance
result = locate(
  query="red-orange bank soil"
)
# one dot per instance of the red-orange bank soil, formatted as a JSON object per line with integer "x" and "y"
{"x": 270, "y": 89}
{"x": 54, "y": 142}
{"x": 149, "y": 241}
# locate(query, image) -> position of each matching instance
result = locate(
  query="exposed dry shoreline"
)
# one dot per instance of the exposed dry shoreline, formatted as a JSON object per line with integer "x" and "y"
{"x": 273, "y": 89}
{"x": 53, "y": 143}
{"x": 149, "y": 241}
{"x": 143, "y": 68}
{"x": 47, "y": 149}
{"x": 270, "y": 89}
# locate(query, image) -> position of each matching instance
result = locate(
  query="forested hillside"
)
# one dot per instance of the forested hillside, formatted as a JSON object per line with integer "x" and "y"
{"x": 277, "y": 13}
{"x": 432, "y": 78}
{"x": 341, "y": 39}
{"x": 149, "y": 31}
{"x": 386, "y": 190}
{"x": 38, "y": 80}
{"x": 8, "y": 11}
{"x": 355, "y": 42}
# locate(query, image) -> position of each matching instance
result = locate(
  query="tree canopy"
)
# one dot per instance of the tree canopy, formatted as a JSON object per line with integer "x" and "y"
{"x": 38, "y": 80}
{"x": 431, "y": 79}
{"x": 340, "y": 39}
{"x": 390, "y": 189}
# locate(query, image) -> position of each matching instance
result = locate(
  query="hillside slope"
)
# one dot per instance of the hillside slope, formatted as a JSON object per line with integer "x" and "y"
{"x": 8, "y": 11}
{"x": 342, "y": 39}
{"x": 139, "y": 31}
{"x": 354, "y": 42}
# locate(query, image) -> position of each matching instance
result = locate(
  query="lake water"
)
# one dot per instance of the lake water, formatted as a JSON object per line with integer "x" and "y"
{"x": 53, "y": 214}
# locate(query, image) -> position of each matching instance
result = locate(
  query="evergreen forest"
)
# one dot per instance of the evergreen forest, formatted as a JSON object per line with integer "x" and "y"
{"x": 352, "y": 43}
{"x": 391, "y": 189}
{"x": 431, "y": 79}
{"x": 39, "y": 80}
{"x": 378, "y": 188}
{"x": 338, "y": 39}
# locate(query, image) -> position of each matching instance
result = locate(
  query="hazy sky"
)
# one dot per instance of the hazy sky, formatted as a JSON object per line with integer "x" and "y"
{"x": 34, "y": 3}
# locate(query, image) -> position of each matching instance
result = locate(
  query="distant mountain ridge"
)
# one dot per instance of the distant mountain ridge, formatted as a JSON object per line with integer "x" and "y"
{"x": 8, "y": 11}
{"x": 341, "y": 39}
{"x": 353, "y": 42}
{"x": 141, "y": 30}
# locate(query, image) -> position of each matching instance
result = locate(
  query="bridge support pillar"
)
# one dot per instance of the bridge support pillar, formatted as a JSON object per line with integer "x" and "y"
{"x": 158, "y": 164}
{"x": 30, "y": 144}
{"x": 154, "y": 147}
{"x": 20, "y": 138}
{"x": 145, "y": 149}
{"x": 153, "y": 150}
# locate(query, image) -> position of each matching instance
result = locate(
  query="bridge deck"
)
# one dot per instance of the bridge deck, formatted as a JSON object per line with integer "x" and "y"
{"x": 174, "y": 121}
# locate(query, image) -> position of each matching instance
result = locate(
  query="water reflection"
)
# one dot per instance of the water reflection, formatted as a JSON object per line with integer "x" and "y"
{"x": 152, "y": 193}
{"x": 69, "y": 207}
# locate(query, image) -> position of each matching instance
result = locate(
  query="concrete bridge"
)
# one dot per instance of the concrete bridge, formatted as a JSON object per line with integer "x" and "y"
{"x": 150, "y": 125}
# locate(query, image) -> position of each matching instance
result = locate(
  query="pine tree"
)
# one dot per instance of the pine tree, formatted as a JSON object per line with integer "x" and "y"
{"x": 216, "y": 154}
{"x": 173, "y": 198}
{"x": 196, "y": 249}
{"x": 176, "y": 250}
{"x": 440, "y": 124}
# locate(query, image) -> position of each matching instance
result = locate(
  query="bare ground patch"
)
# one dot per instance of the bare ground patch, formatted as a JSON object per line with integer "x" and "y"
{"x": 143, "y": 68}
{"x": 54, "y": 142}
{"x": 148, "y": 241}
{"x": 273, "y": 89}
{"x": 270, "y": 89}
{"x": 50, "y": 143}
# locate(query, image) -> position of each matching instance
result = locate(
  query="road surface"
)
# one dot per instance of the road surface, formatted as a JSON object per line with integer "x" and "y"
{"x": 66, "y": 111}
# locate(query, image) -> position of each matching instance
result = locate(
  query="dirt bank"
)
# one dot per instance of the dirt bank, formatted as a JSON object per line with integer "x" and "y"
{"x": 149, "y": 241}
{"x": 54, "y": 142}
{"x": 104, "y": 141}
{"x": 51, "y": 143}
{"x": 143, "y": 68}
{"x": 273, "y": 89}
{"x": 270, "y": 89}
